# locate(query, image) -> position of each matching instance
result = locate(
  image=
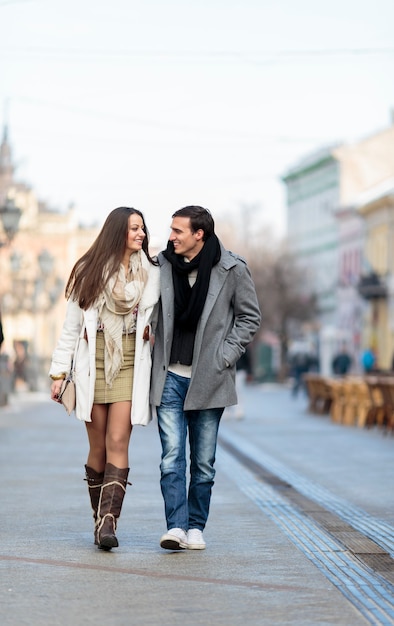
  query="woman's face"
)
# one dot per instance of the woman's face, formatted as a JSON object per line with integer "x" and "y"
{"x": 135, "y": 234}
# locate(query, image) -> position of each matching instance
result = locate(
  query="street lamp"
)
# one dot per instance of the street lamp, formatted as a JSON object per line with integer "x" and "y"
{"x": 45, "y": 261}
{"x": 10, "y": 215}
{"x": 36, "y": 292}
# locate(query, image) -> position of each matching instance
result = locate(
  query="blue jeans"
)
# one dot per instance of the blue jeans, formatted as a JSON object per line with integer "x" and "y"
{"x": 181, "y": 510}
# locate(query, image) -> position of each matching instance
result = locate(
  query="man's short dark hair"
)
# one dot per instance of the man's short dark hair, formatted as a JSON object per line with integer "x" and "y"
{"x": 199, "y": 218}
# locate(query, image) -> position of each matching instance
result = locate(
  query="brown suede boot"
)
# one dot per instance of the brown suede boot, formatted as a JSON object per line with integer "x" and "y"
{"x": 110, "y": 505}
{"x": 95, "y": 481}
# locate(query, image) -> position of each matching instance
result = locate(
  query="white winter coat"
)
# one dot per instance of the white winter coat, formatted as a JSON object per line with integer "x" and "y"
{"x": 72, "y": 345}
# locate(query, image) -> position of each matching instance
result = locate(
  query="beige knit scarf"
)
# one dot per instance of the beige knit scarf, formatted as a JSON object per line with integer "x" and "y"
{"x": 115, "y": 311}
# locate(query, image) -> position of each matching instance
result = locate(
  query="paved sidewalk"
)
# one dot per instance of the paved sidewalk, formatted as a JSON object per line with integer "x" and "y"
{"x": 354, "y": 463}
{"x": 251, "y": 572}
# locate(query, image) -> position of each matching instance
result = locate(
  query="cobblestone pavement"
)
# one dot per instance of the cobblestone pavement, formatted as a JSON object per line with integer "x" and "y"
{"x": 300, "y": 530}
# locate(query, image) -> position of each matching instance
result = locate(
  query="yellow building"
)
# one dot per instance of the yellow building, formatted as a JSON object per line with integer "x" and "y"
{"x": 338, "y": 226}
{"x": 377, "y": 281}
{"x": 34, "y": 267}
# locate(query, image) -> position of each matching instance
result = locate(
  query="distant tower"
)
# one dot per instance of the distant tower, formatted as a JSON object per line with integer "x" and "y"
{"x": 6, "y": 166}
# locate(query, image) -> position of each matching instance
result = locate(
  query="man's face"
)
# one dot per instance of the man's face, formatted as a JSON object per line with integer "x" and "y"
{"x": 186, "y": 242}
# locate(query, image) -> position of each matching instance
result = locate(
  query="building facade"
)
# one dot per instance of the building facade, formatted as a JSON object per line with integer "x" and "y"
{"x": 328, "y": 233}
{"x": 377, "y": 280}
{"x": 34, "y": 267}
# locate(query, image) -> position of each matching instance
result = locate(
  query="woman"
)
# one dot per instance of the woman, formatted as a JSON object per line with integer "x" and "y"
{"x": 111, "y": 291}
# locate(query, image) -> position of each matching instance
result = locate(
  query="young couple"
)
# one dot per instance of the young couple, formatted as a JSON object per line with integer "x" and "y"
{"x": 199, "y": 302}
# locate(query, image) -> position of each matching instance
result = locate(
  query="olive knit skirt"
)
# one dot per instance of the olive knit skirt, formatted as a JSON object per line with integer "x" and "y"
{"x": 122, "y": 386}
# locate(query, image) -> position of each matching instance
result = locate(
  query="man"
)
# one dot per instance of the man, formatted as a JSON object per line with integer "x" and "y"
{"x": 208, "y": 313}
{"x": 342, "y": 362}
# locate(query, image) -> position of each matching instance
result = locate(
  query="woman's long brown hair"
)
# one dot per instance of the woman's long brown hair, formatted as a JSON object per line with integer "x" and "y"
{"x": 93, "y": 270}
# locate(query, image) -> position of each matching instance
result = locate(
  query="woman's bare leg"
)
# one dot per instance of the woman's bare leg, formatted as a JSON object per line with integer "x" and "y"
{"x": 118, "y": 434}
{"x": 116, "y": 473}
{"x": 97, "y": 432}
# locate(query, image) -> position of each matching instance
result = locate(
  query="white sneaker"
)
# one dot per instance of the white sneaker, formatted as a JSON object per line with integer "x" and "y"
{"x": 195, "y": 540}
{"x": 174, "y": 539}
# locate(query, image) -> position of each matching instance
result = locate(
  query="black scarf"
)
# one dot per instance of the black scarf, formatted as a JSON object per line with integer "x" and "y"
{"x": 190, "y": 301}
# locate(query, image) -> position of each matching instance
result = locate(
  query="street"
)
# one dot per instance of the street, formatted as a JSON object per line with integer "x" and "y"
{"x": 301, "y": 529}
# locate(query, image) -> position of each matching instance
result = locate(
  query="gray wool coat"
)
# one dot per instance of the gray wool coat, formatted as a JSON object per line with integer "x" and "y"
{"x": 229, "y": 320}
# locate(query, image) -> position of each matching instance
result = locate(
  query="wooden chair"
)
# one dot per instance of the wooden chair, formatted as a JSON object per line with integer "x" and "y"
{"x": 377, "y": 412}
{"x": 311, "y": 387}
{"x": 319, "y": 393}
{"x": 386, "y": 386}
{"x": 364, "y": 405}
{"x": 325, "y": 395}
{"x": 338, "y": 399}
{"x": 351, "y": 400}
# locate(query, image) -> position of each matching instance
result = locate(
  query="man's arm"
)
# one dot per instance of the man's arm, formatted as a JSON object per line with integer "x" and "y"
{"x": 247, "y": 316}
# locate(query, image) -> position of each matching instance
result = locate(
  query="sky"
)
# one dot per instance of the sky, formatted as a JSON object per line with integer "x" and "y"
{"x": 158, "y": 104}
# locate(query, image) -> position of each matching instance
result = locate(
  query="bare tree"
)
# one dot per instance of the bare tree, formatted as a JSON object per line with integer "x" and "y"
{"x": 280, "y": 286}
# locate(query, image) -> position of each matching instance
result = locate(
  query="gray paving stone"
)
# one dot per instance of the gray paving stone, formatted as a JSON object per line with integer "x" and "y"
{"x": 251, "y": 573}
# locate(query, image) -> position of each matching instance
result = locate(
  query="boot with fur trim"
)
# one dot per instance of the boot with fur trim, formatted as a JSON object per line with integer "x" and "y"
{"x": 110, "y": 505}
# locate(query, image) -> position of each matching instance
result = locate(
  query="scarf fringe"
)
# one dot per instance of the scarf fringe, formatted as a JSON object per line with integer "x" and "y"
{"x": 116, "y": 309}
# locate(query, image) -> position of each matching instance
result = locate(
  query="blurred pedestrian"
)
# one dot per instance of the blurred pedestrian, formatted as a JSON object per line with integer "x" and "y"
{"x": 300, "y": 363}
{"x": 207, "y": 316}
{"x": 111, "y": 292}
{"x": 342, "y": 362}
{"x": 21, "y": 366}
{"x": 368, "y": 360}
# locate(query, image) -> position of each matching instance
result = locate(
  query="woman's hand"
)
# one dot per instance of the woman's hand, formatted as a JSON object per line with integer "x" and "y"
{"x": 55, "y": 390}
